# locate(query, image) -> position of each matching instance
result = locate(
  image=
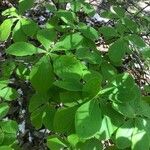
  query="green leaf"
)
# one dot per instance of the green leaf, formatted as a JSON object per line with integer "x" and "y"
{"x": 69, "y": 97}
{"x": 11, "y": 12}
{"x": 69, "y": 42}
{"x": 17, "y": 33}
{"x": 121, "y": 28}
{"x": 90, "y": 74}
{"x": 114, "y": 117}
{"x": 143, "y": 108}
{"x": 92, "y": 144}
{"x": 23, "y": 71}
{"x": 4, "y": 108}
{"x": 119, "y": 11}
{"x": 8, "y": 94}
{"x": 1, "y": 136}
{"x": 136, "y": 41}
{"x": 88, "y": 32}
{"x": 41, "y": 75}
{"x": 46, "y": 37}
{"x": 5, "y": 29}
{"x": 107, "y": 128}
{"x": 117, "y": 51}
{"x": 22, "y": 49}
{"x": 54, "y": 143}
{"x": 9, "y": 68}
{"x": 68, "y": 65}
{"x": 64, "y": 120}
{"x": 48, "y": 119}
{"x": 91, "y": 57}
{"x": 140, "y": 138}
{"x": 75, "y": 6}
{"x": 37, "y": 116}
{"x": 130, "y": 24}
{"x": 88, "y": 9}
{"x": 6, "y": 148}
{"x": 110, "y": 14}
{"x": 125, "y": 89}
{"x": 108, "y": 71}
{"x": 66, "y": 16}
{"x": 3, "y": 83}
{"x": 125, "y": 109}
{"x": 73, "y": 139}
{"x": 124, "y": 135}
{"x": 10, "y": 139}
{"x": 108, "y": 32}
{"x": 9, "y": 126}
{"x": 41, "y": 112}
{"x": 88, "y": 119}
{"x": 24, "y": 5}
{"x": 29, "y": 27}
{"x": 145, "y": 52}
{"x": 88, "y": 90}
{"x": 70, "y": 85}
{"x": 37, "y": 100}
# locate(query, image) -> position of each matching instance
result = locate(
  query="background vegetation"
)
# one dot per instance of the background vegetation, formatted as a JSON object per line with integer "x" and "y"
{"x": 74, "y": 75}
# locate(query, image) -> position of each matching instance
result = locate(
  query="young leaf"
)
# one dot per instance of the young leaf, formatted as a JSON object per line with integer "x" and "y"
{"x": 41, "y": 75}
{"x": 22, "y": 49}
{"x": 88, "y": 119}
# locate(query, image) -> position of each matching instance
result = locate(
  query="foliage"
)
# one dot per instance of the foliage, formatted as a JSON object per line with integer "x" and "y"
{"x": 74, "y": 90}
